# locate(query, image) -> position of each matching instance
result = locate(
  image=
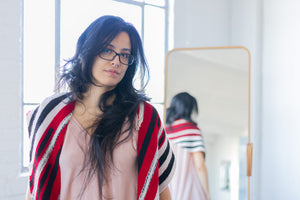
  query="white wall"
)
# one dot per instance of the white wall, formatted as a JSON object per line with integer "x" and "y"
{"x": 280, "y": 163}
{"x": 12, "y": 186}
{"x": 271, "y": 31}
{"x": 201, "y": 23}
{"x": 246, "y": 30}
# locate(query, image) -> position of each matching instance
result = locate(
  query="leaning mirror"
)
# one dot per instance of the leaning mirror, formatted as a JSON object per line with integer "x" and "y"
{"x": 218, "y": 78}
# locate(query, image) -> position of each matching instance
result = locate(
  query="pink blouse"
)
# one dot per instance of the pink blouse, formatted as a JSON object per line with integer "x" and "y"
{"x": 122, "y": 178}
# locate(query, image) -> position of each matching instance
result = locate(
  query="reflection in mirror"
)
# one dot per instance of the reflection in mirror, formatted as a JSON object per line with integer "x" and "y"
{"x": 219, "y": 79}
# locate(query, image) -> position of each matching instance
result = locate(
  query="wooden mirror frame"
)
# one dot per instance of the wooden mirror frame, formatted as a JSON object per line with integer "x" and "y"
{"x": 249, "y": 144}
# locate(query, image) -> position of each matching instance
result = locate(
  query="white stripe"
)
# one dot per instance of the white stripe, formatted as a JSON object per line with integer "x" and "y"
{"x": 141, "y": 116}
{"x": 185, "y": 138}
{"x": 46, "y": 155}
{"x": 161, "y": 130}
{"x": 179, "y": 121}
{"x": 193, "y": 148}
{"x": 157, "y": 195}
{"x": 196, "y": 149}
{"x": 162, "y": 169}
{"x": 160, "y": 153}
{"x": 184, "y": 132}
{"x": 149, "y": 176}
{"x": 191, "y": 144}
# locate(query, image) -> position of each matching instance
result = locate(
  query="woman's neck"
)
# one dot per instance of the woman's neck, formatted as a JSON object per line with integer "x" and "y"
{"x": 92, "y": 97}
{"x": 87, "y": 110}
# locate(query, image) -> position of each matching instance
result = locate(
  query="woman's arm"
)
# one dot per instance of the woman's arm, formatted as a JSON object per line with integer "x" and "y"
{"x": 27, "y": 197}
{"x": 199, "y": 161}
{"x": 165, "y": 195}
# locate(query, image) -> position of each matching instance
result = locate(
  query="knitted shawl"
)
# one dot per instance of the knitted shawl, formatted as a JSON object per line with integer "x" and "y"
{"x": 47, "y": 126}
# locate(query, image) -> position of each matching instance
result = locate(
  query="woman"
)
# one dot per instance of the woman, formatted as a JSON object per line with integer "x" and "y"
{"x": 101, "y": 140}
{"x": 190, "y": 180}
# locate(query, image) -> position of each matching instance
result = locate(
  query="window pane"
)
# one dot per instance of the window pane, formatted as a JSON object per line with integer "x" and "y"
{"x": 77, "y": 15}
{"x": 139, "y": 0}
{"x": 38, "y": 49}
{"x": 155, "y": 51}
{"x": 156, "y": 2}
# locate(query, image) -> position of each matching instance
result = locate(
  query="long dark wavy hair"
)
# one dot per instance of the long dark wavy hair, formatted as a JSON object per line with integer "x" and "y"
{"x": 78, "y": 77}
{"x": 182, "y": 106}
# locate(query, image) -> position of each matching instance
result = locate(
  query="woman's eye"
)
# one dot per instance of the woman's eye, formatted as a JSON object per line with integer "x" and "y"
{"x": 106, "y": 51}
{"x": 125, "y": 55}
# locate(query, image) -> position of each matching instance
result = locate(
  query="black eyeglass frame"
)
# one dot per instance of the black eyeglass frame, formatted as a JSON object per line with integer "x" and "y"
{"x": 130, "y": 59}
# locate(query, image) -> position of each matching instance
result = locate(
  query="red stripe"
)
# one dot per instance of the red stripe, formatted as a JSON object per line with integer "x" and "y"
{"x": 56, "y": 185}
{"x": 54, "y": 153}
{"x": 148, "y": 159}
{"x": 153, "y": 187}
{"x": 185, "y": 135}
{"x": 151, "y": 149}
{"x": 141, "y": 137}
{"x": 149, "y": 156}
{"x": 180, "y": 127}
{"x": 54, "y": 124}
{"x": 184, "y": 132}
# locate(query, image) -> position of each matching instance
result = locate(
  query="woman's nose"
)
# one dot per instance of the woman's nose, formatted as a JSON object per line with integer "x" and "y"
{"x": 116, "y": 61}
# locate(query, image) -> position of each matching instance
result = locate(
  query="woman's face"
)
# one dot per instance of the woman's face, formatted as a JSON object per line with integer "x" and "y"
{"x": 109, "y": 73}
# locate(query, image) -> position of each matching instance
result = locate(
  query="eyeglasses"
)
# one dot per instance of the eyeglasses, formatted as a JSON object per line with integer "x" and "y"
{"x": 109, "y": 54}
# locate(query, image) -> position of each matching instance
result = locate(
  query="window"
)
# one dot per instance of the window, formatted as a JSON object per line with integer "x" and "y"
{"x": 50, "y": 33}
{"x": 38, "y": 59}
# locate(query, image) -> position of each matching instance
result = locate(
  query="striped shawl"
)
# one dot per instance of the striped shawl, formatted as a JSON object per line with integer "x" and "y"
{"x": 47, "y": 126}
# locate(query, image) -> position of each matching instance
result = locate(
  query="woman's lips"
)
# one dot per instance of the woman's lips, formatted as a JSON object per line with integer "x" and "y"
{"x": 112, "y": 72}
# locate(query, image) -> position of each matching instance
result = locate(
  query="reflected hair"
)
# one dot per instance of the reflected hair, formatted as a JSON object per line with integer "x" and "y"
{"x": 182, "y": 106}
{"x": 77, "y": 76}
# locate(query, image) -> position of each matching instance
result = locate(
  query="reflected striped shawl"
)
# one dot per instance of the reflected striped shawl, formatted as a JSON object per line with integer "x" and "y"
{"x": 186, "y": 135}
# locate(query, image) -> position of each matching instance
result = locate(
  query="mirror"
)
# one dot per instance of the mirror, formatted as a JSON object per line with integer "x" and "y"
{"x": 218, "y": 78}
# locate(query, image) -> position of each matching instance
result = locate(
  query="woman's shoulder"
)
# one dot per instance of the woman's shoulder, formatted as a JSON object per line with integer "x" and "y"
{"x": 184, "y": 123}
{"x": 146, "y": 111}
{"x": 58, "y": 97}
{"x": 52, "y": 100}
{"x": 147, "y": 108}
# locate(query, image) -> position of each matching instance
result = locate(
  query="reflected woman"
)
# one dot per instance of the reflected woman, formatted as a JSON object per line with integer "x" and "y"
{"x": 190, "y": 181}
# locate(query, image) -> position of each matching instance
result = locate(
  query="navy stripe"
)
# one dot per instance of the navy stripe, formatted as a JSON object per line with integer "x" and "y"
{"x": 39, "y": 150}
{"x": 32, "y": 119}
{"x": 158, "y": 121}
{"x": 162, "y": 138}
{"x": 164, "y": 156}
{"x": 167, "y": 171}
{"x": 44, "y": 142}
{"x": 52, "y": 177}
{"x": 193, "y": 146}
{"x": 147, "y": 139}
{"x": 189, "y": 141}
{"x": 43, "y": 180}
